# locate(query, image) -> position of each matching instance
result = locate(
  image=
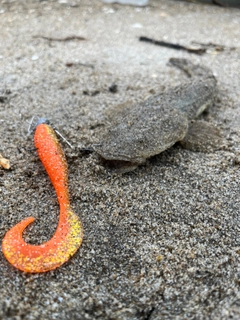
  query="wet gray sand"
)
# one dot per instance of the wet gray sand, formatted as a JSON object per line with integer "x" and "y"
{"x": 161, "y": 242}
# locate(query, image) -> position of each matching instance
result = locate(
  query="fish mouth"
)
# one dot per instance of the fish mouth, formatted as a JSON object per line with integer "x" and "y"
{"x": 119, "y": 166}
{"x": 122, "y": 158}
{"x": 111, "y": 156}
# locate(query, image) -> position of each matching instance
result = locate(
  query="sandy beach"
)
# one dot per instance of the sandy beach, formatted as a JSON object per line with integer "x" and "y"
{"x": 160, "y": 242}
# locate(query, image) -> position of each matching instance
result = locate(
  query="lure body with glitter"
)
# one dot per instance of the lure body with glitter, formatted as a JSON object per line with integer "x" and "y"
{"x": 69, "y": 233}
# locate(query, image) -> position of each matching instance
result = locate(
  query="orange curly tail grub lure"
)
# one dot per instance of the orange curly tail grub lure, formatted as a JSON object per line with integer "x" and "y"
{"x": 68, "y": 236}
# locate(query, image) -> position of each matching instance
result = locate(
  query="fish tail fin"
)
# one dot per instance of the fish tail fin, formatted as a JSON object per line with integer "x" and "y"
{"x": 191, "y": 69}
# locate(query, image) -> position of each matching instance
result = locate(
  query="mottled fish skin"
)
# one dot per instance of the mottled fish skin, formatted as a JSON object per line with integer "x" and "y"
{"x": 148, "y": 128}
{"x": 142, "y": 132}
{"x": 196, "y": 95}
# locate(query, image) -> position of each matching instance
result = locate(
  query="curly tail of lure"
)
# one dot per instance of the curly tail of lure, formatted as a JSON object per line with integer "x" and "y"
{"x": 69, "y": 233}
